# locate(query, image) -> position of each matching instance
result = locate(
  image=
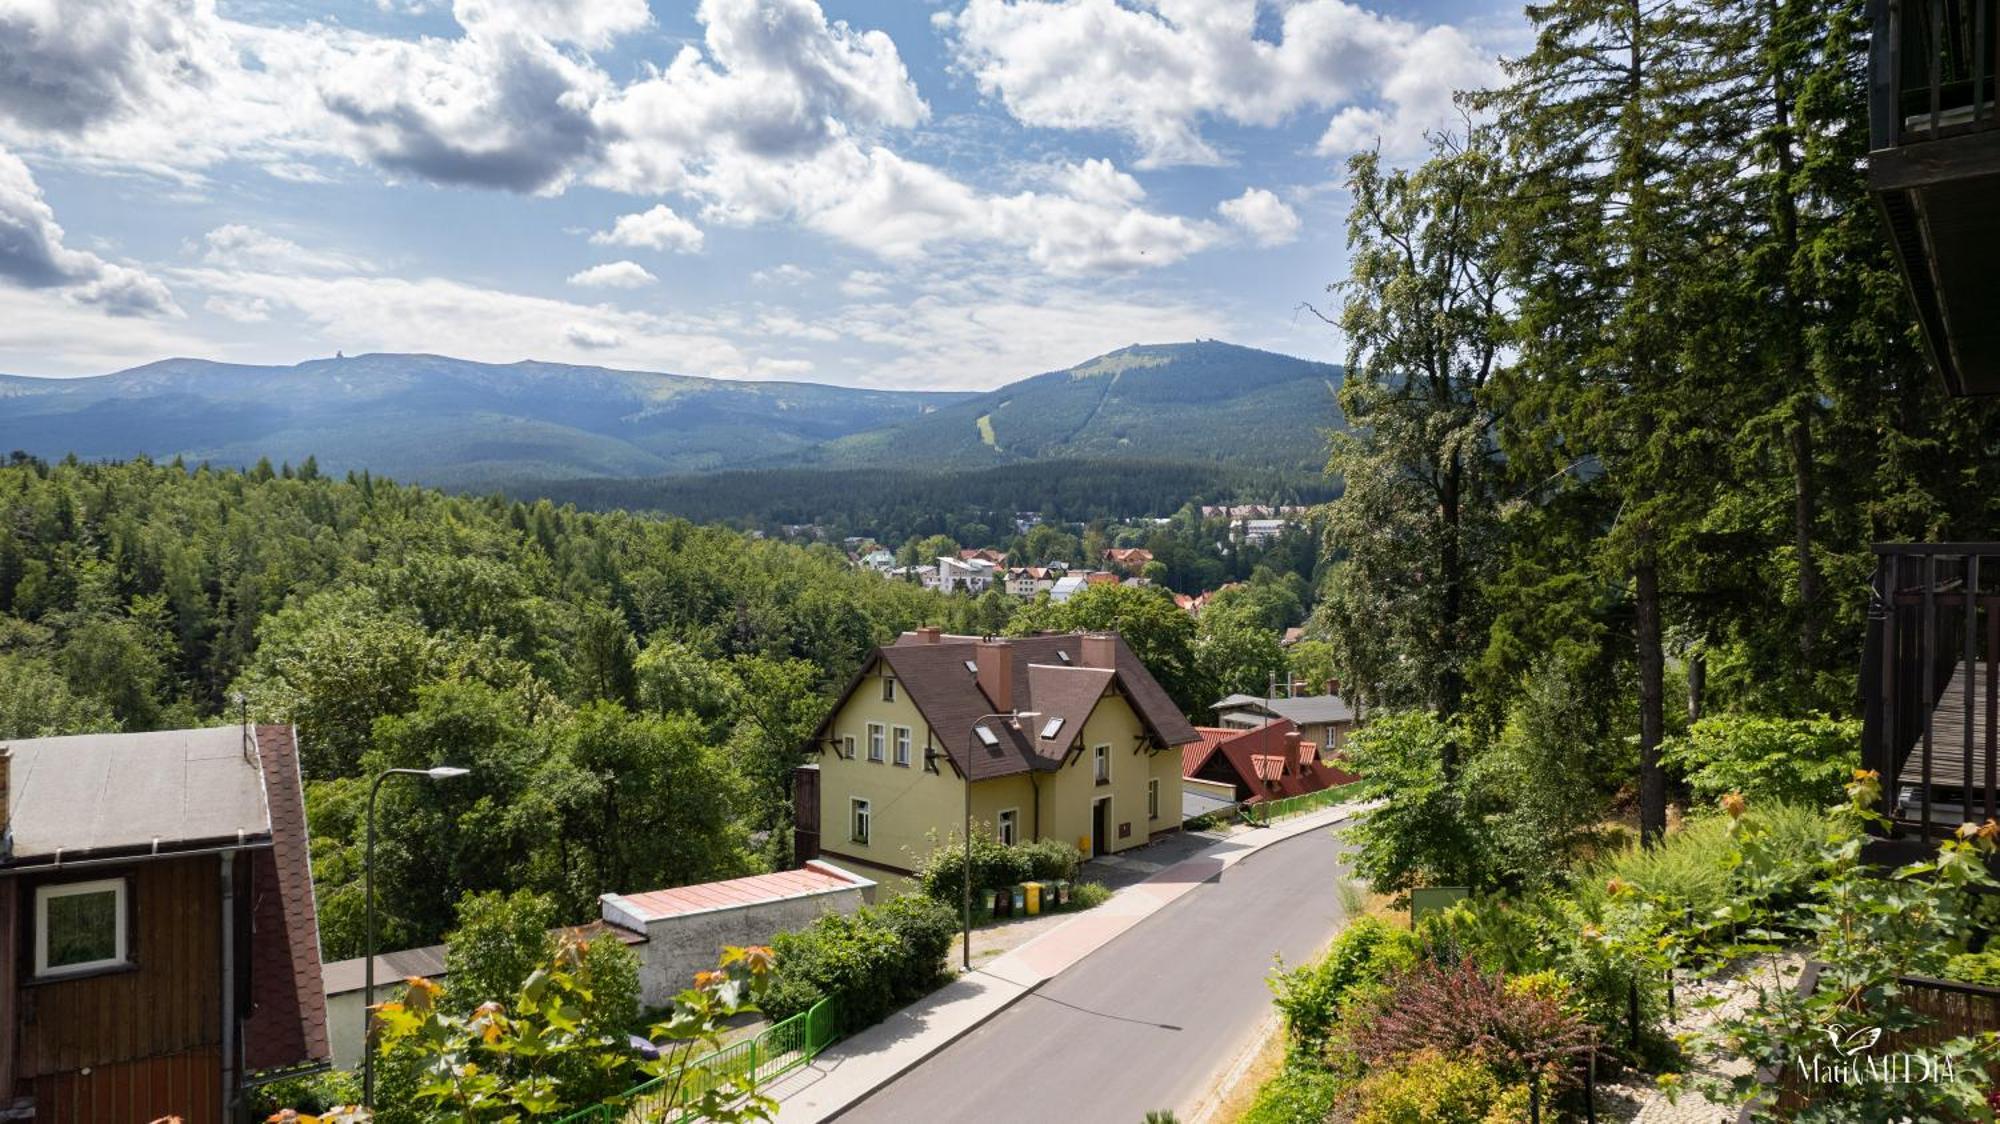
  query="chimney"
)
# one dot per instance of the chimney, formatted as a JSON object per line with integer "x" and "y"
{"x": 1333, "y": 686}
{"x": 1100, "y": 649}
{"x": 930, "y": 634}
{"x": 995, "y": 659}
{"x": 1292, "y": 758}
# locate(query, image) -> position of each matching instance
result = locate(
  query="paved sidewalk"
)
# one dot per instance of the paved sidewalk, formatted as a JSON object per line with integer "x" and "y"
{"x": 857, "y": 1066}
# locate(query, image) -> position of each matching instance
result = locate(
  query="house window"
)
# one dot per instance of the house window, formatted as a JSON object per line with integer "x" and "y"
{"x": 1152, "y": 800}
{"x": 903, "y": 746}
{"x": 1007, "y": 825}
{"x": 80, "y": 926}
{"x": 1101, "y": 764}
{"x": 847, "y": 747}
{"x": 888, "y": 688}
{"x": 875, "y": 742}
{"x": 860, "y": 816}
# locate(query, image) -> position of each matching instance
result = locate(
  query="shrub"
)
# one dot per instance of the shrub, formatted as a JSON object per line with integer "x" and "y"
{"x": 1311, "y": 996}
{"x": 1089, "y": 895}
{"x": 1975, "y": 968}
{"x": 1297, "y": 1093}
{"x": 500, "y": 939}
{"x": 1430, "y": 1088}
{"x": 874, "y": 959}
{"x": 994, "y": 866}
{"x": 1804, "y": 760}
{"x": 1518, "y": 1025}
{"x": 1051, "y": 860}
{"x": 610, "y": 971}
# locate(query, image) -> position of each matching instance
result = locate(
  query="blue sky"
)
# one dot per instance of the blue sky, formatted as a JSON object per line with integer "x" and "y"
{"x": 941, "y": 195}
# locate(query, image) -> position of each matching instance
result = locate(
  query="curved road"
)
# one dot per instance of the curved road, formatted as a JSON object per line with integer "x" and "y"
{"x": 1148, "y": 1021}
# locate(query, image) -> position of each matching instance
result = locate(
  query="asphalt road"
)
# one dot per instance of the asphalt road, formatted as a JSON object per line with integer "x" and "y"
{"x": 1146, "y": 1022}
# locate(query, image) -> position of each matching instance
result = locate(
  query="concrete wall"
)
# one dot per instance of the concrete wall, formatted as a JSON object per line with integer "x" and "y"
{"x": 678, "y": 947}
{"x": 1216, "y": 789}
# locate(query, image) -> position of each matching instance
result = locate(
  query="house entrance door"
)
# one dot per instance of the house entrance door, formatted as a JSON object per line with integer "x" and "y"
{"x": 1100, "y": 826}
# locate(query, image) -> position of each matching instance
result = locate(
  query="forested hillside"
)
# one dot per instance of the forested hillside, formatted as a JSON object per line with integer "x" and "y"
{"x": 974, "y": 507}
{"x": 630, "y": 693}
{"x": 439, "y": 420}
{"x": 1206, "y": 401}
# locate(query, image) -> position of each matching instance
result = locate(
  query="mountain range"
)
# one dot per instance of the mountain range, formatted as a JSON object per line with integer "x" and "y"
{"x": 458, "y": 423}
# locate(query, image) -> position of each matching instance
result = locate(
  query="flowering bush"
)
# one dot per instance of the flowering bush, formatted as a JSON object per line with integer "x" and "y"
{"x": 1431, "y": 1088}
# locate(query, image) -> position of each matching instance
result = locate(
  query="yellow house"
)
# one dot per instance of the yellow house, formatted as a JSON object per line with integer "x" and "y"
{"x": 1097, "y": 765}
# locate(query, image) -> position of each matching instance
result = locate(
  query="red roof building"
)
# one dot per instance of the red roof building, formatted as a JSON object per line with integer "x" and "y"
{"x": 1267, "y": 763}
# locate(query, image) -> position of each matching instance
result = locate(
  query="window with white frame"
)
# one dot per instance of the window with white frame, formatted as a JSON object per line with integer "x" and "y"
{"x": 1152, "y": 800}
{"x": 888, "y": 687}
{"x": 875, "y": 742}
{"x": 80, "y": 926}
{"x": 860, "y": 816}
{"x": 1100, "y": 760}
{"x": 903, "y": 745}
{"x": 847, "y": 747}
{"x": 1008, "y": 825}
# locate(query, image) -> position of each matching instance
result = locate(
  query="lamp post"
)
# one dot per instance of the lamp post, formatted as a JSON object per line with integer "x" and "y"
{"x": 972, "y": 736}
{"x": 435, "y": 773}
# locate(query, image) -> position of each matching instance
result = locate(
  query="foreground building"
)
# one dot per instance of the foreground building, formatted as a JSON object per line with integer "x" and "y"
{"x": 159, "y": 947}
{"x": 1098, "y": 766}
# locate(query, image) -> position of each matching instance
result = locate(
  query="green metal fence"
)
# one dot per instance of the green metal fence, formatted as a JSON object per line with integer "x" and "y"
{"x": 770, "y": 1053}
{"x": 1264, "y": 811}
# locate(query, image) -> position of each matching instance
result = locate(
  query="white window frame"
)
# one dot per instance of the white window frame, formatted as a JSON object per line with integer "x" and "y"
{"x": 1153, "y": 799}
{"x": 1007, "y": 826}
{"x": 860, "y": 820}
{"x": 122, "y": 955}
{"x": 847, "y": 746}
{"x": 877, "y": 739}
{"x": 888, "y": 687}
{"x": 1100, "y": 764}
{"x": 900, "y": 743}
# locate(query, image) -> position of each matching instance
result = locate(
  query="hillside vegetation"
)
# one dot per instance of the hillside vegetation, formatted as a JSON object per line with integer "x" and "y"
{"x": 455, "y": 423}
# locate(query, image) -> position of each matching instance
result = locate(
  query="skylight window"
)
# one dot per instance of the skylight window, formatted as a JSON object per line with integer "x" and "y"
{"x": 1062, "y": 655}
{"x": 972, "y": 667}
{"x": 987, "y": 737}
{"x": 1052, "y": 727}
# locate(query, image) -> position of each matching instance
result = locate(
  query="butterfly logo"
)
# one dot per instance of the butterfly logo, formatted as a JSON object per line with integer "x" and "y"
{"x": 1852, "y": 1042}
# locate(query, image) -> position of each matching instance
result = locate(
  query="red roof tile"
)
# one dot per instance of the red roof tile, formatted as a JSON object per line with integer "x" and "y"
{"x": 656, "y": 905}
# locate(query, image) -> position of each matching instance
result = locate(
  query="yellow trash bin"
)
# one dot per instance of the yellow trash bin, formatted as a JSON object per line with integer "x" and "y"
{"x": 1034, "y": 897}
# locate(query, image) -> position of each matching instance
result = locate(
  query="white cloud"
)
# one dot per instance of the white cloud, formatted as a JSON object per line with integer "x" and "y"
{"x": 243, "y": 310}
{"x": 659, "y": 229}
{"x": 865, "y": 283}
{"x": 784, "y": 274}
{"x": 614, "y": 275}
{"x": 587, "y": 23}
{"x": 32, "y": 254}
{"x": 1155, "y": 70}
{"x": 1263, "y": 216}
{"x": 247, "y": 247}
{"x": 781, "y": 368}
{"x": 592, "y": 337}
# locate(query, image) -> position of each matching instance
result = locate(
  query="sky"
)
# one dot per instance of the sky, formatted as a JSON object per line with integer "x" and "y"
{"x": 947, "y": 195}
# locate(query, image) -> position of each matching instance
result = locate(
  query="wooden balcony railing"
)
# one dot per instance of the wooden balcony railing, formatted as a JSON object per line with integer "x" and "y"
{"x": 1932, "y": 69}
{"x": 1930, "y": 684}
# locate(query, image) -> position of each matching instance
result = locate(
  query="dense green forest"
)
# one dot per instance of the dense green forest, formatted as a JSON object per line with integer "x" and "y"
{"x": 630, "y": 693}
{"x": 1633, "y": 385}
{"x": 974, "y": 507}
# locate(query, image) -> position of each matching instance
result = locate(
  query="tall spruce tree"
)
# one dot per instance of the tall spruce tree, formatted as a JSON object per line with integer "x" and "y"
{"x": 1414, "y": 529}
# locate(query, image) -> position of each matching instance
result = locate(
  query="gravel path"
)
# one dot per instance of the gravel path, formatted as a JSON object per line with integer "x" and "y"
{"x": 1636, "y": 1099}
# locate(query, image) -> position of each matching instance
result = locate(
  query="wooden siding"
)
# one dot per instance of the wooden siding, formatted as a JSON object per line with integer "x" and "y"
{"x": 168, "y": 1004}
{"x": 187, "y": 1085}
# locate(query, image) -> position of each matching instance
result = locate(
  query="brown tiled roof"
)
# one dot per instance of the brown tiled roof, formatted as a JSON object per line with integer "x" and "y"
{"x": 948, "y": 695}
{"x": 287, "y": 1022}
{"x": 1195, "y": 754}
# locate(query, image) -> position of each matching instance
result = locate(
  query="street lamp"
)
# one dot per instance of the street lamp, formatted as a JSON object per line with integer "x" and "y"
{"x": 435, "y": 773}
{"x": 972, "y": 736}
